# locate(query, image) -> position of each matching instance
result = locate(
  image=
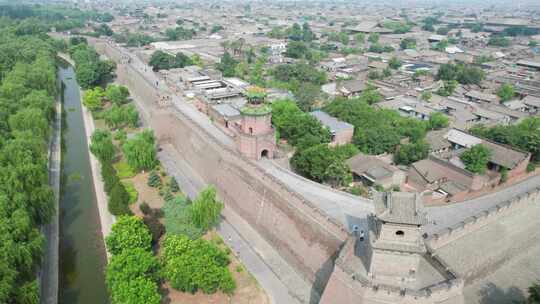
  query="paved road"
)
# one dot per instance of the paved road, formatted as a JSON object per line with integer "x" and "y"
{"x": 346, "y": 208}
{"x": 260, "y": 259}
{"x": 49, "y": 267}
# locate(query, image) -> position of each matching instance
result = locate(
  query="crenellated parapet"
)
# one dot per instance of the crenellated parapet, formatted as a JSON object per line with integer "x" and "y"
{"x": 482, "y": 218}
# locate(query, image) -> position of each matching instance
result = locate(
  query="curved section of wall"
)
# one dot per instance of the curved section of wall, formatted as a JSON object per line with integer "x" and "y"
{"x": 301, "y": 233}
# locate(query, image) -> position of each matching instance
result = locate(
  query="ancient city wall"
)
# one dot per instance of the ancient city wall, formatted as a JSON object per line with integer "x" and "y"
{"x": 301, "y": 233}
{"x": 481, "y": 243}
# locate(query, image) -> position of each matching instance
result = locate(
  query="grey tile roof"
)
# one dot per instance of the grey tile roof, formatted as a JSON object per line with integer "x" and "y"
{"x": 226, "y": 110}
{"x": 400, "y": 207}
{"x": 532, "y": 101}
{"x": 332, "y": 123}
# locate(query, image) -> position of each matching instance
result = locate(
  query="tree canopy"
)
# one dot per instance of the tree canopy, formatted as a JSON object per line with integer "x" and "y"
{"x": 376, "y": 130}
{"x": 506, "y": 92}
{"x": 140, "y": 151}
{"x": 190, "y": 265}
{"x": 89, "y": 69}
{"x": 164, "y": 61}
{"x": 127, "y": 234}
{"x": 524, "y": 136}
{"x": 476, "y": 158}
{"x": 27, "y": 92}
{"x": 460, "y": 72}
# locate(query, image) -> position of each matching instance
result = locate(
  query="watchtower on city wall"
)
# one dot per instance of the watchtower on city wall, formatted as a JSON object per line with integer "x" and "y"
{"x": 392, "y": 263}
{"x": 302, "y": 234}
{"x": 257, "y": 137}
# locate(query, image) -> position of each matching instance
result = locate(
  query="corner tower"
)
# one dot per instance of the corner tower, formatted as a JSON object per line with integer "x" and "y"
{"x": 257, "y": 138}
{"x": 397, "y": 241}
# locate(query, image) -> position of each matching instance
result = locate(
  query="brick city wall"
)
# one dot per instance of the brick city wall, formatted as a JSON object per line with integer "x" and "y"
{"x": 481, "y": 243}
{"x": 301, "y": 233}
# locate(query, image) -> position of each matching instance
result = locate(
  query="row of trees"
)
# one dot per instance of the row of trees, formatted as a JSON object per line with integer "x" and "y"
{"x": 376, "y": 130}
{"x": 27, "y": 92}
{"x": 132, "y": 275}
{"x": 460, "y": 72}
{"x": 164, "y": 61}
{"x": 524, "y": 135}
{"x": 90, "y": 70}
{"x": 103, "y": 148}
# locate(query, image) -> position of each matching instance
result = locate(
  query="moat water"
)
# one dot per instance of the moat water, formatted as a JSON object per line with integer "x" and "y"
{"x": 82, "y": 252}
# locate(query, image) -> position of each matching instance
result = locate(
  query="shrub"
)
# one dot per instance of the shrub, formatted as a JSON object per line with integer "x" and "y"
{"x": 156, "y": 228}
{"x": 145, "y": 209}
{"x": 531, "y": 167}
{"x": 167, "y": 196}
{"x": 109, "y": 177}
{"x": 177, "y": 221}
{"x": 173, "y": 185}
{"x": 128, "y": 233}
{"x": 132, "y": 192}
{"x": 123, "y": 170}
{"x": 101, "y": 145}
{"x": 119, "y": 200}
{"x": 154, "y": 180}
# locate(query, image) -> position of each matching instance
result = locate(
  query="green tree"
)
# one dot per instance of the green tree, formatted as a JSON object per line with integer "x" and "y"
{"x": 441, "y": 45}
{"x": 499, "y": 41}
{"x": 140, "y": 151}
{"x": 307, "y": 95}
{"x": 376, "y": 140}
{"x": 426, "y": 96}
{"x": 93, "y": 98}
{"x": 130, "y": 264}
{"x": 295, "y": 32}
{"x": 190, "y": 265}
{"x": 108, "y": 173}
{"x": 373, "y": 38}
{"x": 506, "y": 92}
{"x": 135, "y": 291}
{"x": 117, "y": 94}
{"x": 30, "y": 119}
{"x": 227, "y": 65}
{"x": 119, "y": 200}
{"x": 121, "y": 116}
{"x": 177, "y": 218}
{"x": 360, "y": 38}
{"x": 476, "y": 158}
{"x": 443, "y": 30}
{"x": 437, "y": 121}
{"x": 312, "y": 162}
{"x": 205, "y": 210}
{"x": 101, "y": 145}
{"x": 128, "y": 234}
{"x": 338, "y": 174}
{"x": 299, "y": 128}
{"x": 394, "y": 63}
{"x": 534, "y": 294}
{"x": 307, "y": 33}
{"x": 296, "y": 49}
{"x": 410, "y": 153}
{"x": 407, "y": 43}
{"x": 447, "y": 88}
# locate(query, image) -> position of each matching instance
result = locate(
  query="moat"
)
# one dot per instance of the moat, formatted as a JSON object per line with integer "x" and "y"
{"x": 82, "y": 251}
